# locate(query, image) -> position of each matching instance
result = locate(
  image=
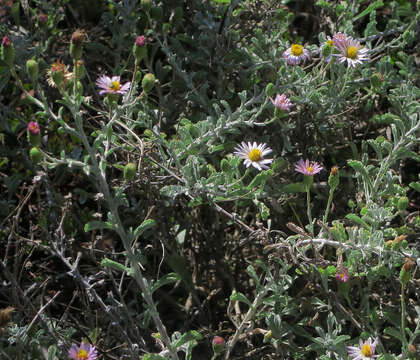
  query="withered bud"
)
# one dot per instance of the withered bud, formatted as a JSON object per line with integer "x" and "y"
{"x": 334, "y": 170}
{"x": 400, "y": 238}
{"x": 5, "y": 317}
{"x": 78, "y": 37}
{"x": 409, "y": 264}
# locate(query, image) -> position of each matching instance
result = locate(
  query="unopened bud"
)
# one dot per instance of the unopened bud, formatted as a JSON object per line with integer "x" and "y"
{"x": 33, "y": 133}
{"x": 148, "y": 82}
{"x": 402, "y": 203}
{"x": 76, "y": 44}
{"x": 42, "y": 19}
{"x": 32, "y": 69}
{"x": 139, "y": 48}
{"x": 218, "y": 344}
{"x": 405, "y": 273}
{"x": 334, "y": 178}
{"x": 130, "y": 171}
{"x": 146, "y": 5}
{"x": 269, "y": 90}
{"x": 36, "y": 155}
{"x": 7, "y": 51}
{"x": 376, "y": 80}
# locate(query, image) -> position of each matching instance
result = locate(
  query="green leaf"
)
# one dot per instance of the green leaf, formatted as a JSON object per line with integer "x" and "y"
{"x": 164, "y": 280}
{"x": 153, "y": 357}
{"x": 146, "y": 224}
{"x": 369, "y": 9}
{"x": 98, "y": 225}
{"x": 394, "y": 332}
{"x": 189, "y": 336}
{"x": 238, "y": 296}
{"x": 415, "y": 186}
{"x": 341, "y": 338}
{"x": 52, "y": 351}
{"x": 356, "y": 219}
{"x": 361, "y": 169}
{"x": 293, "y": 188}
{"x": 113, "y": 264}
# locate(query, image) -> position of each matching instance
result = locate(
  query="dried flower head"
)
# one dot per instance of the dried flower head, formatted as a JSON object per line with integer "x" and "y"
{"x": 78, "y": 36}
{"x": 42, "y": 17}
{"x": 57, "y": 71}
{"x": 352, "y": 52}
{"x": 112, "y": 85}
{"x": 253, "y": 154}
{"x": 334, "y": 170}
{"x": 342, "y": 275}
{"x": 5, "y": 317}
{"x": 33, "y": 128}
{"x": 365, "y": 350}
{"x": 409, "y": 264}
{"x": 308, "y": 168}
{"x": 296, "y": 54}
{"x": 83, "y": 352}
{"x": 282, "y": 102}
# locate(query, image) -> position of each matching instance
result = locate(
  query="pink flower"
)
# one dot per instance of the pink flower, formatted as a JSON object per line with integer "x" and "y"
{"x": 282, "y": 102}
{"x": 141, "y": 40}
{"x": 83, "y": 352}
{"x": 218, "y": 340}
{"x": 33, "y": 128}
{"x": 339, "y": 39}
{"x": 6, "y": 42}
{"x": 112, "y": 85}
{"x": 365, "y": 350}
{"x": 308, "y": 168}
{"x": 342, "y": 275}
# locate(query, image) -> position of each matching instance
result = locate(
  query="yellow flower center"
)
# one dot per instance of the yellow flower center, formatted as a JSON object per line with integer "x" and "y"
{"x": 297, "y": 50}
{"x": 330, "y": 42}
{"x": 255, "y": 155}
{"x": 352, "y": 52}
{"x": 310, "y": 169}
{"x": 366, "y": 350}
{"x": 115, "y": 86}
{"x": 82, "y": 354}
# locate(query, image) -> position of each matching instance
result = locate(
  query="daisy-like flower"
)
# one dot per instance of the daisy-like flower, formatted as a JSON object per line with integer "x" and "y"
{"x": 308, "y": 168}
{"x": 282, "y": 102}
{"x": 295, "y": 54}
{"x": 83, "y": 352}
{"x": 253, "y": 154}
{"x": 351, "y": 51}
{"x": 342, "y": 275}
{"x": 365, "y": 350}
{"x": 339, "y": 39}
{"x": 112, "y": 85}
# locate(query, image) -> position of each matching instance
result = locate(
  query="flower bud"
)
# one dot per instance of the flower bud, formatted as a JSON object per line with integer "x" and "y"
{"x": 148, "y": 82}
{"x": 224, "y": 165}
{"x": 334, "y": 178}
{"x": 36, "y": 155}
{"x": 42, "y": 19}
{"x": 33, "y": 133}
{"x": 406, "y": 270}
{"x": 218, "y": 344}
{"x": 32, "y": 69}
{"x": 130, "y": 171}
{"x": 76, "y": 44}
{"x": 139, "y": 48}
{"x": 388, "y": 244}
{"x": 269, "y": 90}
{"x": 402, "y": 203}
{"x": 146, "y": 5}
{"x": 80, "y": 69}
{"x": 7, "y": 51}
{"x": 326, "y": 50}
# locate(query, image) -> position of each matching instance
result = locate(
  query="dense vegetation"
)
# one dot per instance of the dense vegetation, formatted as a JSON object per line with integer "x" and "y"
{"x": 209, "y": 179}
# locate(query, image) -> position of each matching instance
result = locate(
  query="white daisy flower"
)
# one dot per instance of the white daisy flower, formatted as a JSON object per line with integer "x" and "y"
{"x": 351, "y": 51}
{"x": 295, "y": 54}
{"x": 365, "y": 350}
{"x": 253, "y": 154}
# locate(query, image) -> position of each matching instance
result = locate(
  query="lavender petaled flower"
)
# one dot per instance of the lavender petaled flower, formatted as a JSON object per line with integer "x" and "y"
{"x": 83, "y": 352}
{"x": 141, "y": 40}
{"x": 365, "y": 350}
{"x": 308, "y": 168}
{"x": 342, "y": 275}
{"x": 253, "y": 154}
{"x": 112, "y": 85}
{"x": 282, "y": 102}
{"x": 339, "y": 39}
{"x": 296, "y": 54}
{"x": 352, "y": 52}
